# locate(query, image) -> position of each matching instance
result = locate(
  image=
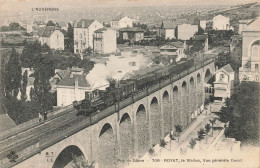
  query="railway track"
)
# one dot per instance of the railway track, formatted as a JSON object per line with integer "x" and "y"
{"x": 31, "y": 135}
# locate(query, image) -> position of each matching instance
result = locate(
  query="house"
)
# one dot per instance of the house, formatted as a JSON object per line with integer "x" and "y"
{"x": 243, "y": 24}
{"x": 104, "y": 41}
{"x": 131, "y": 33}
{"x": 121, "y": 22}
{"x": 83, "y": 34}
{"x": 76, "y": 85}
{"x": 223, "y": 84}
{"x": 71, "y": 88}
{"x": 175, "y": 49}
{"x": 167, "y": 30}
{"x": 202, "y": 38}
{"x": 221, "y": 22}
{"x": 186, "y": 31}
{"x": 250, "y": 52}
{"x": 51, "y": 36}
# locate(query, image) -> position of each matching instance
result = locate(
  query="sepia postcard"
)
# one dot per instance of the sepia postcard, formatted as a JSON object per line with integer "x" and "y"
{"x": 129, "y": 83}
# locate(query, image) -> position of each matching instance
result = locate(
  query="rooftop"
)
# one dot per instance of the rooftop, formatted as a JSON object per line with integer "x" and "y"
{"x": 69, "y": 80}
{"x": 168, "y": 24}
{"x": 62, "y": 73}
{"x": 118, "y": 18}
{"x": 228, "y": 68}
{"x": 101, "y": 30}
{"x": 84, "y": 23}
{"x": 61, "y": 24}
{"x": 200, "y": 37}
{"x": 253, "y": 26}
{"x": 176, "y": 44}
{"x": 46, "y": 31}
{"x": 39, "y": 22}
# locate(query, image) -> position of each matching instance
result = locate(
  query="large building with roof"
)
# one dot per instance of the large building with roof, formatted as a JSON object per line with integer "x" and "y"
{"x": 51, "y": 36}
{"x": 121, "y": 22}
{"x": 250, "y": 52}
{"x": 104, "y": 41}
{"x": 83, "y": 34}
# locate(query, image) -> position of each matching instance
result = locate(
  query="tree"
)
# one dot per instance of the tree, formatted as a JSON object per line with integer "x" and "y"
{"x": 178, "y": 129}
{"x": 50, "y": 23}
{"x": 192, "y": 143}
{"x": 253, "y": 15}
{"x": 70, "y": 41}
{"x": 207, "y": 128}
{"x": 201, "y": 134}
{"x": 15, "y": 26}
{"x": 206, "y": 102}
{"x": 12, "y": 75}
{"x": 244, "y": 115}
{"x": 226, "y": 112}
{"x": 44, "y": 70}
{"x": 24, "y": 85}
{"x": 32, "y": 93}
{"x": 31, "y": 53}
{"x": 212, "y": 121}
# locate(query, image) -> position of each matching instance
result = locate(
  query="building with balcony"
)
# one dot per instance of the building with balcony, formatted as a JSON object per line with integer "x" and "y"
{"x": 121, "y": 22}
{"x": 250, "y": 52}
{"x": 83, "y": 34}
{"x": 104, "y": 41}
{"x": 224, "y": 82}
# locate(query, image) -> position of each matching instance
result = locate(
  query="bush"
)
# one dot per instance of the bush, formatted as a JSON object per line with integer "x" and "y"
{"x": 201, "y": 134}
{"x": 151, "y": 151}
{"x": 192, "y": 143}
{"x": 162, "y": 143}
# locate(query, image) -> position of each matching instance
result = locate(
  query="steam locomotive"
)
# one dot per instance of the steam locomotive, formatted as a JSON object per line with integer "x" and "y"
{"x": 99, "y": 100}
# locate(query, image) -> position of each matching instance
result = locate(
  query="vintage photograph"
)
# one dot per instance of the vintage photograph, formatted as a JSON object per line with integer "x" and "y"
{"x": 129, "y": 83}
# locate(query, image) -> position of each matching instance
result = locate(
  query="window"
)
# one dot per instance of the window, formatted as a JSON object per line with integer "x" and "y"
{"x": 256, "y": 78}
{"x": 222, "y": 76}
{"x": 76, "y": 32}
{"x": 132, "y": 63}
{"x": 84, "y": 33}
{"x": 256, "y": 67}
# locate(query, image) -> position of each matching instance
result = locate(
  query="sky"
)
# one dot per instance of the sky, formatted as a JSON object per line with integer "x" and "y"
{"x": 11, "y": 5}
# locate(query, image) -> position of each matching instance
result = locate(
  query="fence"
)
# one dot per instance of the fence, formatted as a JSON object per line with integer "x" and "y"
{"x": 32, "y": 123}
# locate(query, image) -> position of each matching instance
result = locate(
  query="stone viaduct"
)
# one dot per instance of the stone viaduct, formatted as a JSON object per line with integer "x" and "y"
{"x": 129, "y": 132}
